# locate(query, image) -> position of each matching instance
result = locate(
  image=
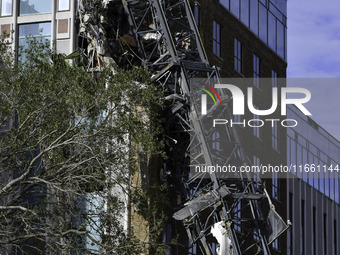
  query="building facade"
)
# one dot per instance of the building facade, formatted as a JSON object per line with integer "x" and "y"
{"x": 313, "y": 194}
{"x": 245, "y": 39}
{"x": 249, "y": 39}
{"x": 51, "y": 20}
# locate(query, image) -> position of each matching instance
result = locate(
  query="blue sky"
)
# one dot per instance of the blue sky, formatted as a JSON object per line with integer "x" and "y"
{"x": 314, "y": 38}
{"x": 314, "y": 52}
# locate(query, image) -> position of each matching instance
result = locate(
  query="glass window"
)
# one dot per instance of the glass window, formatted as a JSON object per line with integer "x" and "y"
{"x": 257, "y": 131}
{"x": 254, "y": 16}
{"x": 237, "y": 55}
{"x": 264, "y": 19}
{"x": 325, "y": 229}
{"x": 280, "y": 40}
{"x": 285, "y": 43}
{"x": 302, "y": 236}
{"x": 216, "y": 38}
{"x": 326, "y": 175}
{"x": 335, "y": 237}
{"x": 314, "y": 239}
{"x": 275, "y": 243}
{"x": 263, "y": 22}
{"x": 280, "y": 5}
{"x": 6, "y": 8}
{"x": 256, "y": 70}
{"x": 275, "y": 11}
{"x": 289, "y": 157}
{"x": 225, "y": 3}
{"x": 35, "y": 6}
{"x": 331, "y": 185}
{"x": 197, "y": 15}
{"x": 245, "y": 12}
{"x": 40, "y": 31}
{"x": 272, "y": 31}
{"x": 35, "y": 30}
{"x": 64, "y": 5}
{"x": 275, "y": 136}
{"x": 275, "y": 186}
{"x": 316, "y": 174}
{"x": 310, "y": 174}
{"x": 336, "y": 184}
{"x": 256, "y": 236}
{"x": 293, "y": 152}
{"x": 313, "y": 149}
{"x": 290, "y": 232}
{"x": 304, "y": 162}
{"x": 256, "y": 162}
{"x": 299, "y": 159}
{"x": 322, "y": 180}
{"x": 237, "y": 118}
{"x": 274, "y": 79}
{"x": 235, "y": 7}
{"x": 193, "y": 248}
{"x": 264, "y": 2}
{"x": 323, "y": 157}
{"x": 238, "y": 215}
{"x": 216, "y": 142}
{"x": 301, "y": 140}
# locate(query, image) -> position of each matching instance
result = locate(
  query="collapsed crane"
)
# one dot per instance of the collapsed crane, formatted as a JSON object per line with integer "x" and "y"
{"x": 162, "y": 35}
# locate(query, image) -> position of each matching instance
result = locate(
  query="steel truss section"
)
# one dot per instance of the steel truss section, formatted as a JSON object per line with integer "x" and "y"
{"x": 168, "y": 43}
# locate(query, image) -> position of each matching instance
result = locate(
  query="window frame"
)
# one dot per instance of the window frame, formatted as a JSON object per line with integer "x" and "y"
{"x": 27, "y": 14}
{"x": 1, "y": 8}
{"x": 196, "y": 14}
{"x": 64, "y": 10}
{"x": 275, "y": 243}
{"x": 275, "y": 186}
{"x": 238, "y": 213}
{"x": 257, "y": 131}
{"x": 256, "y": 162}
{"x": 27, "y": 37}
{"x": 325, "y": 234}
{"x": 238, "y": 56}
{"x": 256, "y": 71}
{"x": 302, "y": 226}
{"x": 226, "y": 4}
{"x": 216, "y": 142}
{"x": 216, "y": 38}
{"x": 274, "y": 79}
{"x": 275, "y": 136}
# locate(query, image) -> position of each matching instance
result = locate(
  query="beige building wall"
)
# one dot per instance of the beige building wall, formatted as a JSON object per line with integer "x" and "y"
{"x": 63, "y": 31}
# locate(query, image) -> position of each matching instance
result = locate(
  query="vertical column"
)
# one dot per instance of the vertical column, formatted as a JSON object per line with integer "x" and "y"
{"x": 54, "y": 25}
{"x": 72, "y": 25}
{"x": 15, "y": 24}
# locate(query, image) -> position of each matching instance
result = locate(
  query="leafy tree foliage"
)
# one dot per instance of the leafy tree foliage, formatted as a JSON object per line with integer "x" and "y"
{"x": 70, "y": 143}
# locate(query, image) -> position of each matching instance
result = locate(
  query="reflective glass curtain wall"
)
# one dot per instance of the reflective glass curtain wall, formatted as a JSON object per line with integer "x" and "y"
{"x": 267, "y": 20}
{"x": 301, "y": 152}
{"x": 35, "y": 7}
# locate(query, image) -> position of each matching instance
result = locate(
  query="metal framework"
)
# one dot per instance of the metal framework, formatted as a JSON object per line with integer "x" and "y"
{"x": 228, "y": 207}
